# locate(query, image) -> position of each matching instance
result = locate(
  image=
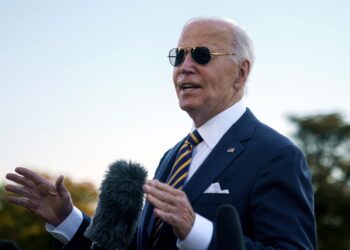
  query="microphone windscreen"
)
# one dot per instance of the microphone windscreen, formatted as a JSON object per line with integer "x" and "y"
{"x": 119, "y": 206}
{"x": 229, "y": 232}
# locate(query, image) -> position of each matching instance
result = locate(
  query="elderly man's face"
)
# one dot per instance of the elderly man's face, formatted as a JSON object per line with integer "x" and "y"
{"x": 206, "y": 90}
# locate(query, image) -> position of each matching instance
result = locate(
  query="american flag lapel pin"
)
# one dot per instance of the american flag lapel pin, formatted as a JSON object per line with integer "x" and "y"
{"x": 230, "y": 150}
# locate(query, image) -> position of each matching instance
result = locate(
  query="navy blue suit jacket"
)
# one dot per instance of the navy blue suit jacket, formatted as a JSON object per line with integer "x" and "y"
{"x": 269, "y": 184}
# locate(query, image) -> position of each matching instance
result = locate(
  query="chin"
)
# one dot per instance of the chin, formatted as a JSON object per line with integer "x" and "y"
{"x": 191, "y": 110}
{"x": 188, "y": 107}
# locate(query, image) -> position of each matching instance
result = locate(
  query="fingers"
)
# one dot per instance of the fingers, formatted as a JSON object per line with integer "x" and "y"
{"x": 61, "y": 189}
{"x": 17, "y": 190}
{"x": 39, "y": 195}
{"x": 161, "y": 191}
{"x": 32, "y": 185}
{"x": 163, "y": 187}
{"x": 160, "y": 205}
{"x": 19, "y": 180}
{"x": 23, "y": 202}
{"x": 31, "y": 175}
{"x": 171, "y": 205}
{"x": 160, "y": 197}
{"x": 27, "y": 178}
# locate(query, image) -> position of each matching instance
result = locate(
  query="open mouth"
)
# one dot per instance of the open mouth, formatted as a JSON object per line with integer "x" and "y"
{"x": 189, "y": 86}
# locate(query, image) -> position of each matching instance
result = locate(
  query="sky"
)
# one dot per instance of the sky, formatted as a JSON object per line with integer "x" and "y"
{"x": 85, "y": 83}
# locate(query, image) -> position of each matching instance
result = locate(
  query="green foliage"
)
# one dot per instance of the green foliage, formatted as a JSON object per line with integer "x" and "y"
{"x": 325, "y": 139}
{"x": 20, "y": 225}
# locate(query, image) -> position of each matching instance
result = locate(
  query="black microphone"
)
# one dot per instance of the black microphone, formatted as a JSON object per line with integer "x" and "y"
{"x": 228, "y": 229}
{"x": 119, "y": 206}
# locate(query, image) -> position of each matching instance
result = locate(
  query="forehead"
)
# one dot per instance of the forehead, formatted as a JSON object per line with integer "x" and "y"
{"x": 206, "y": 33}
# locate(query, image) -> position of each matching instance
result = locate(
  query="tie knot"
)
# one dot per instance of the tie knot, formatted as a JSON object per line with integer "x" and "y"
{"x": 194, "y": 138}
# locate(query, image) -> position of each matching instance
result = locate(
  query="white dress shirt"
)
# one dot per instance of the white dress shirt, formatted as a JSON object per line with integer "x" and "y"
{"x": 201, "y": 233}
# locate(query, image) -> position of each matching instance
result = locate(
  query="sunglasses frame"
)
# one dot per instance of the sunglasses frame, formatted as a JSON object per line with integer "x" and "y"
{"x": 172, "y": 59}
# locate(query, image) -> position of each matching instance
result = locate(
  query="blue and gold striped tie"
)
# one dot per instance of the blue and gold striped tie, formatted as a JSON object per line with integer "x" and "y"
{"x": 178, "y": 175}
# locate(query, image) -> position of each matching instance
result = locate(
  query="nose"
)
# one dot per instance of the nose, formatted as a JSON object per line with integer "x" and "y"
{"x": 188, "y": 65}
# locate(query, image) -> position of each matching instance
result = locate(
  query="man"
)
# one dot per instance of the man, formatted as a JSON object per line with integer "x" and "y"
{"x": 236, "y": 160}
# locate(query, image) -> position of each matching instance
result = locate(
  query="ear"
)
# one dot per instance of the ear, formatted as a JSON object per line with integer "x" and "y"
{"x": 242, "y": 73}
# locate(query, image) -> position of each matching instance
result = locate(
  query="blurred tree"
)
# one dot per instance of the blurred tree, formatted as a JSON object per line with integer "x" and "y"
{"x": 28, "y": 230}
{"x": 325, "y": 140}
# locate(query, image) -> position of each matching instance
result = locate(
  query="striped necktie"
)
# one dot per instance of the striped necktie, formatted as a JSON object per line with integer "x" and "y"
{"x": 178, "y": 175}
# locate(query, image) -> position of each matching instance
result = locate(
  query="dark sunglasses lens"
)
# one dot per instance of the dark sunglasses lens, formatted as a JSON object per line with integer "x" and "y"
{"x": 176, "y": 56}
{"x": 201, "y": 55}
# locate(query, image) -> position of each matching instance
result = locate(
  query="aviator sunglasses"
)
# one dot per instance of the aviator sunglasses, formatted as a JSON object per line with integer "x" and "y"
{"x": 201, "y": 55}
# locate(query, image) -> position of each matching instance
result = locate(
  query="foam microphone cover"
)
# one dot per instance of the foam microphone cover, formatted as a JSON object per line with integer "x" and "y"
{"x": 119, "y": 206}
{"x": 228, "y": 229}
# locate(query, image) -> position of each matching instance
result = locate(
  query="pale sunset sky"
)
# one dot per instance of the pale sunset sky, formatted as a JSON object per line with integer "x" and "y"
{"x": 84, "y": 83}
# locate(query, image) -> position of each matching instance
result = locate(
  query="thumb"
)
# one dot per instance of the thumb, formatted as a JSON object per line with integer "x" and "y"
{"x": 61, "y": 189}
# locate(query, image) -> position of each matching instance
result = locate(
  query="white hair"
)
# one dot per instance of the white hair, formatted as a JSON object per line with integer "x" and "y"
{"x": 241, "y": 42}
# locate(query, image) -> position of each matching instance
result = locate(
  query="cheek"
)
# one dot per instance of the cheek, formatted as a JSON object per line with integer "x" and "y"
{"x": 220, "y": 89}
{"x": 175, "y": 74}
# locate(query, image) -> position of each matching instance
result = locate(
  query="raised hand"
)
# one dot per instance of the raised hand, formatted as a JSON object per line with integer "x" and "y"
{"x": 50, "y": 201}
{"x": 172, "y": 206}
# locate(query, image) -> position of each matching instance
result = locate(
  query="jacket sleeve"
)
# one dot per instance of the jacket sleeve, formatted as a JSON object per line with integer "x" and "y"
{"x": 79, "y": 241}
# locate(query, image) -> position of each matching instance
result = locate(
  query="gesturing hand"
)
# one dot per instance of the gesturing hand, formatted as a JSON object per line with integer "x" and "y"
{"x": 172, "y": 206}
{"x": 50, "y": 201}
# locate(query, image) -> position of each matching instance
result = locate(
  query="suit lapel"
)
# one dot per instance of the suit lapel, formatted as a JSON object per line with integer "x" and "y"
{"x": 222, "y": 156}
{"x": 218, "y": 160}
{"x": 169, "y": 159}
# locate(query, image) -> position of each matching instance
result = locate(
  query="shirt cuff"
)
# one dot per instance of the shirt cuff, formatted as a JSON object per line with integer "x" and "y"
{"x": 65, "y": 231}
{"x": 200, "y": 235}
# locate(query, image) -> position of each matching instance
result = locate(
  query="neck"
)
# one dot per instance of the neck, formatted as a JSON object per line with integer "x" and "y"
{"x": 201, "y": 118}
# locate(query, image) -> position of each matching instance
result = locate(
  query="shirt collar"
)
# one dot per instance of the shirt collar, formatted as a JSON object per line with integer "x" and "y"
{"x": 216, "y": 127}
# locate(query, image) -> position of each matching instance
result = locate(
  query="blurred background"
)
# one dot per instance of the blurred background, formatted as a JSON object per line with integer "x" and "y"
{"x": 83, "y": 83}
